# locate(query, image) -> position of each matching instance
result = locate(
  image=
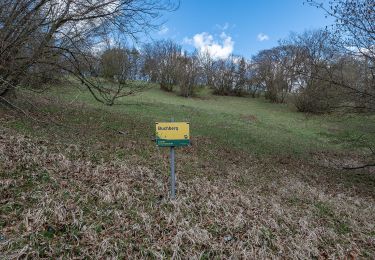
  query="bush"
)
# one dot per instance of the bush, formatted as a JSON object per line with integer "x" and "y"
{"x": 316, "y": 98}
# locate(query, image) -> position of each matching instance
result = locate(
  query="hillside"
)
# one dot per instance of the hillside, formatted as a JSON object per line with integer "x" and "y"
{"x": 84, "y": 180}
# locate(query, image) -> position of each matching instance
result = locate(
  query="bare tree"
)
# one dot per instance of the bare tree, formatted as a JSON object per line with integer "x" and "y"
{"x": 271, "y": 72}
{"x": 119, "y": 68}
{"x": 188, "y": 74}
{"x": 120, "y": 64}
{"x": 206, "y": 62}
{"x": 232, "y": 76}
{"x": 63, "y": 34}
{"x": 161, "y": 63}
{"x": 355, "y": 31}
{"x": 255, "y": 84}
{"x": 242, "y": 81}
{"x": 326, "y": 77}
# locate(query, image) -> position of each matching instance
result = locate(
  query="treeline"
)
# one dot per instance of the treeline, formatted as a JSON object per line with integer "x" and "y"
{"x": 310, "y": 70}
{"x": 318, "y": 71}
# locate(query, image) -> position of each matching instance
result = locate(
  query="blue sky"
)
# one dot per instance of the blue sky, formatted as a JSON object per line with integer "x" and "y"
{"x": 240, "y": 27}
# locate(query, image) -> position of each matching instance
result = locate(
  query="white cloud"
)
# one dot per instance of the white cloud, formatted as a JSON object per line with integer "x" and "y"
{"x": 361, "y": 52}
{"x": 100, "y": 46}
{"x": 163, "y": 30}
{"x": 223, "y": 27}
{"x": 263, "y": 37}
{"x": 205, "y": 43}
{"x": 188, "y": 41}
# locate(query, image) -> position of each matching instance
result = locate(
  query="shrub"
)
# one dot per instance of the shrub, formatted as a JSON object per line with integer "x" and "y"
{"x": 318, "y": 97}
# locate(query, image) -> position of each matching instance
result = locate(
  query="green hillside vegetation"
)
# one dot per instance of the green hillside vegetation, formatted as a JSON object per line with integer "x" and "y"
{"x": 252, "y": 125}
{"x": 260, "y": 179}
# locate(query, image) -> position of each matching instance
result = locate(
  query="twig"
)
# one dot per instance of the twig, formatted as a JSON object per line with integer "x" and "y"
{"x": 30, "y": 116}
{"x": 74, "y": 99}
{"x": 359, "y": 167}
{"x": 14, "y": 106}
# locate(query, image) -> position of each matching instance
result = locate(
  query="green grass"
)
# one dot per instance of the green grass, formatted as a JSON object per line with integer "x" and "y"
{"x": 77, "y": 188}
{"x": 253, "y": 125}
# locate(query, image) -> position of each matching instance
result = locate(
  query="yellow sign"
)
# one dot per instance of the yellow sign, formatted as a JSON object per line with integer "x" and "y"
{"x": 172, "y": 134}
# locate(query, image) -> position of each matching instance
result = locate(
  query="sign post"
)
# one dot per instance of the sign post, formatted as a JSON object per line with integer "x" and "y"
{"x": 173, "y": 176}
{"x": 172, "y": 134}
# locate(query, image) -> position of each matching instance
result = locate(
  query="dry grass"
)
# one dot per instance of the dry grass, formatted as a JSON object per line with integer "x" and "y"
{"x": 86, "y": 191}
{"x": 54, "y": 206}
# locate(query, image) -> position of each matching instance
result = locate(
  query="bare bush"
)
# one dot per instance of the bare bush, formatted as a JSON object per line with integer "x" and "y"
{"x": 317, "y": 97}
{"x": 355, "y": 32}
{"x": 320, "y": 65}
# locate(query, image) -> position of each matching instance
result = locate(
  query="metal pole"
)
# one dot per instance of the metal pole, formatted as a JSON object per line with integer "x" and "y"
{"x": 173, "y": 176}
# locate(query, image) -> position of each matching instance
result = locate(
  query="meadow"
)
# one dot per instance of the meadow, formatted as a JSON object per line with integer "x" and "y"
{"x": 253, "y": 125}
{"x": 81, "y": 179}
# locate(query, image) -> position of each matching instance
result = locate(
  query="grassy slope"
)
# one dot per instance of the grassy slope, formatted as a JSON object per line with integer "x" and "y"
{"x": 82, "y": 189}
{"x": 253, "y": 125}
